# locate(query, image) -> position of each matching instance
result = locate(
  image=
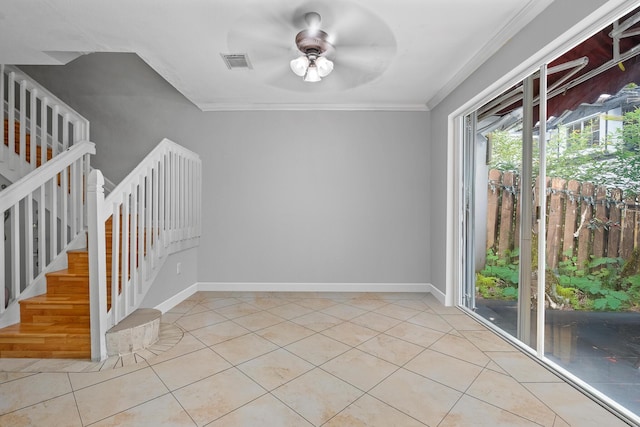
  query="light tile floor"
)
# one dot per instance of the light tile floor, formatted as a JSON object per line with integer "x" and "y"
{"x": 302, "y": 359}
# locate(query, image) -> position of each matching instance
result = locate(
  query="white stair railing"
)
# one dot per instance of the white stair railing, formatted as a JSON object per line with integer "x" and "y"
{"x": 154, "y": 212}
{"x": 44, "y": 211}
{"x": 36, "y": 125}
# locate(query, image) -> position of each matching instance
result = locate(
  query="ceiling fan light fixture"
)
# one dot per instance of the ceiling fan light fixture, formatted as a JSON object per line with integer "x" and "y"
{"x": 312, "y": 75}
{"x": 314, "y": 45}
{"x": 299, "y": 65}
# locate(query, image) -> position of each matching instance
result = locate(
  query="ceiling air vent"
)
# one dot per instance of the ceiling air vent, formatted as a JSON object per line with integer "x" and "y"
{"x": 236, "y": 61}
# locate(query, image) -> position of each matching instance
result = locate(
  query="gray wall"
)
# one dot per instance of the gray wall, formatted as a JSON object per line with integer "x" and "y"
{"x": 302, "y": 197}
{"x": 542, "y": 31}
{"x": 169, "y": 282}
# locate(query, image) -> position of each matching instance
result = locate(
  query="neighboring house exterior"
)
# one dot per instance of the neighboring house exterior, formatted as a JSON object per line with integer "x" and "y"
{"x": 600, "y": 122}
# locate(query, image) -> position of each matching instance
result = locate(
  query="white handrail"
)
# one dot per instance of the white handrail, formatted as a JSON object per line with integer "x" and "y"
{"x": 153, "y": 212}
{"x": 64, "y": 110}
{"x": 27, "y": 184}
{"x": 56, "y": 188}
{"x": 36, "y": 120}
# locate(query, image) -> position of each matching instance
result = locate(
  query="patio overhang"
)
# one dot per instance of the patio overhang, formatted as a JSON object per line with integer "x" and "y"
{"x": 602, "y": 64}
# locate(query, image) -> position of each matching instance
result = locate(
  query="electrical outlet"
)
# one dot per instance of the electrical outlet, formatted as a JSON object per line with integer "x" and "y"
{"x": 178, "y": 268}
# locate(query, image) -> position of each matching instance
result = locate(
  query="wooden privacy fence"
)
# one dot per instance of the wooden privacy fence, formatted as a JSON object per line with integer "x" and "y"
{"x": 583, "y": 220}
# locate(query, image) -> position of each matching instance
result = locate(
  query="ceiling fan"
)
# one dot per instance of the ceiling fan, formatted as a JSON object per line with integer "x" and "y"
{"x": 315, "y": 47}
{"x": 314, "y": 39}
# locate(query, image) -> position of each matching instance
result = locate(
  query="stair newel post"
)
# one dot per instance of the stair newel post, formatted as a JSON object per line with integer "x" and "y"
{"x": 97, "y": 265}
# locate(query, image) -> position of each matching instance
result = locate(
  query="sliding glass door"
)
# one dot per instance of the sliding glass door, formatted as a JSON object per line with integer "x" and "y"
{"x": 551, "y": 225}
{"x": 499, "y": 209}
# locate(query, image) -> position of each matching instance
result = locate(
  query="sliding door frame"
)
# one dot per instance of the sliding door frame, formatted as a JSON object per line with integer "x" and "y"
{"x": 456, "y": 210}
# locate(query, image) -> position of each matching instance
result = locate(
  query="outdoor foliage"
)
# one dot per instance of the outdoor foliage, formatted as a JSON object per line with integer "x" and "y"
{"x": 615, "y": 162}
{"x": 609, "y": 284}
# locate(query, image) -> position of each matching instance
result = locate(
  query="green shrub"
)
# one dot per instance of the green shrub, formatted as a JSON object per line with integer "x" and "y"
{"x": 601, "y": 284}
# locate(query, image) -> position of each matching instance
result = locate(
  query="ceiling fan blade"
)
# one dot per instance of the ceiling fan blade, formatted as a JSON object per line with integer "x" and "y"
{"x": 364, "y": 45}
{"x": 370, "y": 62}
{"x": 262, "y": 29}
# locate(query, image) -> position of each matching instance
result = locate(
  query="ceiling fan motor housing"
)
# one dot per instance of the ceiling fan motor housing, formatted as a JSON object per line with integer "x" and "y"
{"x": 314, "y": 42}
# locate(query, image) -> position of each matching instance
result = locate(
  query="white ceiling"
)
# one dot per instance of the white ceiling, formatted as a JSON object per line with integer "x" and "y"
{"x": 390, "y": 54}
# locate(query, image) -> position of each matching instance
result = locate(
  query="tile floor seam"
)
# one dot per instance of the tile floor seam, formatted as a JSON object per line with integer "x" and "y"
{"x": 389, "y": 361}
{"x": 563, "y": 420}
{"x": 373, "y": 330}
{"x": 340, "y": 379}
{"x": 235, "y": 409}
{"x": 504, "y": 409}
{"x": 284, "y": 383}
{"x": 292, "y": 342}
{"x": 525, "y": 388}
{"x": 196, "y": 381}
{"x": 125, "y": 410}
{"x": 183, "y": 408}
{"x": 21, "y": 408}
{"x": 402, "y": 339}
{"x": 19, "y": 378}
{"x": 256, "y": 330}
{"x": 246, "y": 403}
{"x": 77, "y": 407}
{"x": 442, "y": 383}
{"x": 179, "y": 355}
{"x": 463, "y": 360}
{"x": 364, "y": 391}
{"x": 450, "y": 409}
{"x": 107, "y": 379}
{"x": 397, "y": 409}
{"x": 328, "y": 360}
{"x": 551, "y": 383}
{"x": 195, "y": 423}
{"x": 129, "y": 407}
{"x": 293, "y": 409}
{"x": 248, "y": 360}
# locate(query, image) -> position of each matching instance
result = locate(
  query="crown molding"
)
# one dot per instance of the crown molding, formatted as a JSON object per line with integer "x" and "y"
{"x": 312, "y": 107}
{"x": 526, "y": 15}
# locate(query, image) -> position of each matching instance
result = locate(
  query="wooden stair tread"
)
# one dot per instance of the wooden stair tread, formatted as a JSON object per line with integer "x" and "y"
{"x": 75, "y": 251}
{"x": 57, "y": 299}
{"x": 45, "y": 329}
{"x": 46, "y": 340}
{"x": 66, "y": 272}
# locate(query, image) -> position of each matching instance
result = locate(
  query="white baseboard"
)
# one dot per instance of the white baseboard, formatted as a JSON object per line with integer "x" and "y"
{"x": 177, "y": 298}
{"x": 440, "y": 296}
{"x": 298, "y": 287}
{"x": 313, "y": 287}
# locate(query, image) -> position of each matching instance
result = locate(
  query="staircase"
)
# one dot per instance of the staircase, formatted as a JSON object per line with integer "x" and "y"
{"x": 57, "y": 323}
{"x": 64, "y": 298}
{"x": 54, "y": 324}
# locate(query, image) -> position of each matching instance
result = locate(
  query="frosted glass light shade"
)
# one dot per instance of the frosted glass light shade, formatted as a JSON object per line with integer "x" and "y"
{"x": 300, "y": 65}
{"x": 312, "y": 75}
{"x": 325, "y": 67}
